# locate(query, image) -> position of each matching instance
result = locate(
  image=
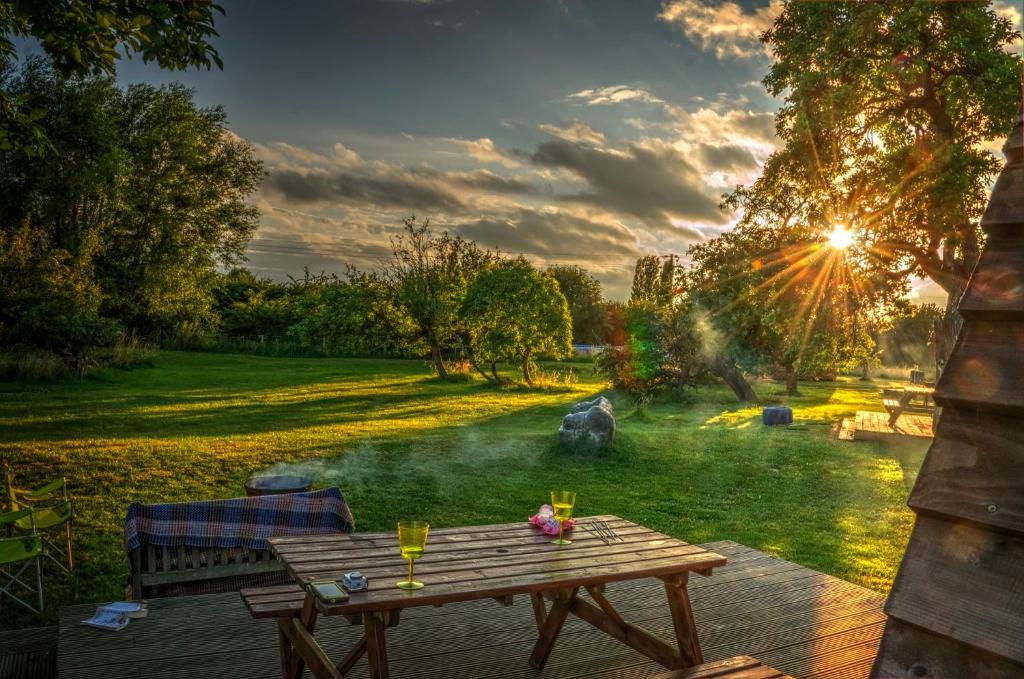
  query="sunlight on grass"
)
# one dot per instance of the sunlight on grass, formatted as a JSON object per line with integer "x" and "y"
{"x": 395, "y": 440}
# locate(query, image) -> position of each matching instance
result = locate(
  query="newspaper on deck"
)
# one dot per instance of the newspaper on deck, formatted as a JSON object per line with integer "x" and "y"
{"x": 117, "y": 615}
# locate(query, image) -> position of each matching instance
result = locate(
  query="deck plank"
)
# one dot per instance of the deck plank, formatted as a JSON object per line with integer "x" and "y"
{"x": 874, "y": 426}
{"x": 803, "y": 622}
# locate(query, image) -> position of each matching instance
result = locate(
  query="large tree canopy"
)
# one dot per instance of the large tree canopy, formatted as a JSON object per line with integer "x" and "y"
{"x": 86, "y": 37}
{"x": 142, "y": 189}
{"x": 514, "y": 313}
{"x": 889, "y": 108}
{"x": 583, "y": 292}
{"x": 780, "y": 298}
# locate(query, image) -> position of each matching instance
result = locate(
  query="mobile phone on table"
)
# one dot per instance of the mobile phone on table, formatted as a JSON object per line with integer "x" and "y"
{"x": 328, "y": 591}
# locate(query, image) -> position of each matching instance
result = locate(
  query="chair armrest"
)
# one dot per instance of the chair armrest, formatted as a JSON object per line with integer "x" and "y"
{"x": 41, "y": 493}
{"x": 14, "y": 517}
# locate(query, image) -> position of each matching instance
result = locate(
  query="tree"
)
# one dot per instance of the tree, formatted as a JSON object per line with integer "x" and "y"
{"x": 779, "y": 298}
{"x": 353, "y": 316}
{"x": 910, "y": 341}
{"x": 888, "y": 108}
{"x": 516, "y": 313}
{"x": 158, "y": 184}
{"x": 49, "y": 300}
{"x": 430, "y": 275}
{"x": 583, "y": 292}
{"x": 86, "y": 37}
{"x": 655, "y": 282}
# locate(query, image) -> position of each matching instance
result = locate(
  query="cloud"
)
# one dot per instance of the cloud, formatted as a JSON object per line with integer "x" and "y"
{"x": 553, "y": 234}
{"x": 391, "y": 190}
{"x": 727, "y": 29}
{"x": 485, "y": 150}
{"x": 733, "y": 126}
{"x": 649, "y": 180}
{"x": 574, "y": 130}
{"x": 727, "y": 157}
{"x": 615, "y": 94}
{"x": 300, "y": 176}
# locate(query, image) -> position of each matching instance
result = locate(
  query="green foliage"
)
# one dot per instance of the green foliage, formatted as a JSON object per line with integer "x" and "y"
{"x": 779, "y": 300}
{"x": 655, "y": 282}
{"x": 143, "y": 192}
{"x": 515, "y": 313}
{"x": 583, "y": 293}
{"x": 890, "y": 111}
{"x": 86, "y": 37}
{"x": 48, "y": 300}
{"x": 429, "y": 275}
{"x": 357, "y": 316}
{"x": 910, "y": 342}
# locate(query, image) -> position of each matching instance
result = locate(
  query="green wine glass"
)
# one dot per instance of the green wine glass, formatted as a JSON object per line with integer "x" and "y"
{"x": 412, "y": 541}
{"x": 562, "y": 501}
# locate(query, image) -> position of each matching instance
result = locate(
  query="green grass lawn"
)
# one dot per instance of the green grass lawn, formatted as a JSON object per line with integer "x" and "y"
{"x": 401, "y": 444}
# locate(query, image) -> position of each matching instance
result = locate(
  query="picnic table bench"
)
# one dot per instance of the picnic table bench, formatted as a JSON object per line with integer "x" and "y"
{"x": 907, "y": 399}
{"x": 483, "y": 562}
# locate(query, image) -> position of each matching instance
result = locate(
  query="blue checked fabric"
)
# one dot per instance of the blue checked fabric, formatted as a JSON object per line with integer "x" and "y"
{"x": 238, "y": 522}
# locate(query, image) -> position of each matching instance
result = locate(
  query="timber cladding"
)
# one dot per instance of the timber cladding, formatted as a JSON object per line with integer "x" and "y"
{"x": 956, "y": 608}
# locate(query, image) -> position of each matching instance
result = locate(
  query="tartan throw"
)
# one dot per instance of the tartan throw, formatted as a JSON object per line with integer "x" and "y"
{"x": 238, "y": 522}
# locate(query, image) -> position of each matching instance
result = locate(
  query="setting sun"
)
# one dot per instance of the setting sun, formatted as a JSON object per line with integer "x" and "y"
{"x": 840, "y": 238}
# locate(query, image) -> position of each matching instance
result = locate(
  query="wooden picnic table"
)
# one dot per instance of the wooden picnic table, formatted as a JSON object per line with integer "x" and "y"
{"x": 481, "y": 562}
{"x": 906, "y": 400}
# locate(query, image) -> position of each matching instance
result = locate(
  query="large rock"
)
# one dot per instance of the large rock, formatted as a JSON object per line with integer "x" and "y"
{"x": 590, "y": 425}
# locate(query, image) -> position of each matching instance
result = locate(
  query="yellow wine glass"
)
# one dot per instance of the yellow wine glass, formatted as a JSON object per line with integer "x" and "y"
{"x": 562, "y": 501}
{"x": 412, "y": 540}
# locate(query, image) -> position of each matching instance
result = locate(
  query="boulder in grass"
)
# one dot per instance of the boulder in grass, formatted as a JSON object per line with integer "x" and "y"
{"x": 589, "y": 426}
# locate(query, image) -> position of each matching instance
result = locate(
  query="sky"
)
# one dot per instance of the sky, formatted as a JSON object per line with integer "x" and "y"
{"x": 571, "y": 131}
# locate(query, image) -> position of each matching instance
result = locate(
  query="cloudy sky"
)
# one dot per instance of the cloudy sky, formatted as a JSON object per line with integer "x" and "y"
{"x": 572, "y": 131}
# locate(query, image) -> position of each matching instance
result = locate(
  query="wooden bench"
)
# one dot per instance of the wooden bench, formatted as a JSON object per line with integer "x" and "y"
{"x": 278, "y": 601}
{"x": 177, "y": 571}
{"x": 739, "y": 667}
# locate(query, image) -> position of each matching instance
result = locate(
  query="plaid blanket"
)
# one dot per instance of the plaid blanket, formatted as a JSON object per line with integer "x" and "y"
{"x": 238, "y": 522}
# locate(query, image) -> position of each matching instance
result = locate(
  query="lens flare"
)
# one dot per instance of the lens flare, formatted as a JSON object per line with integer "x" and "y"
{"x": 840, "y": 238}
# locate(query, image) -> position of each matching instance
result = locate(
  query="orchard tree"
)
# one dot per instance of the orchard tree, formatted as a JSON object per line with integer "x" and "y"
{"x": 516, "y": 313}
{"x": 783, "y": 299}
{"x": 583, "y": 292}
{"x": 890, "y": 108}
{"x": 430, "y": 275}
{"x": 87, "y": 37}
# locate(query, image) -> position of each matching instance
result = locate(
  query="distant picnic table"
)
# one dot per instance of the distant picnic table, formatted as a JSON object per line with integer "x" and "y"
{"x": 907, "y": 399}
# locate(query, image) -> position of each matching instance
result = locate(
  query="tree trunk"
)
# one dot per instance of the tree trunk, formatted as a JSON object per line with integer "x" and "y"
{"x": 866, "y": 374}
{"x": 494, "y": 371}
{"x": 476, "y": 366}
{"x": 527, "y": 376}
{"x": 435, "y": 354}
{"x": 730, "y": 374}
{"x": 946, "y": 330}
{"x": 791, "y": 381}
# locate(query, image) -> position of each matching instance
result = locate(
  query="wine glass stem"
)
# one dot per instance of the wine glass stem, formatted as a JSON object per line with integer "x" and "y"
{"x": 410, "y": 570}
{"x": 561, "y": 527}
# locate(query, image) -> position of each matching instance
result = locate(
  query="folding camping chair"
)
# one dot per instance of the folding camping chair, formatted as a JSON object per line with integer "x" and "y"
{"x": 52, "y": 511}
{"x": 16, "y": 555}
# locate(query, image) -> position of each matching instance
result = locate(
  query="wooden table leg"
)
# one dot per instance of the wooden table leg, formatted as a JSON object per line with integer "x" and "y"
{"x": 563, "y": 601}
{"x": 682, "y": 620}
{"x": 285, "y": 645}
{"x": 540, "y": 611}
{"x": 307, "y": 619}
{"x": 376, "y": 647}
{"x": 352, "y": 657}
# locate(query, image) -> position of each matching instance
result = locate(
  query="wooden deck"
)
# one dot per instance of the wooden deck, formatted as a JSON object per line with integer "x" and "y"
{"x": 874, "y": 426}
{"x": 803, "y": 622}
